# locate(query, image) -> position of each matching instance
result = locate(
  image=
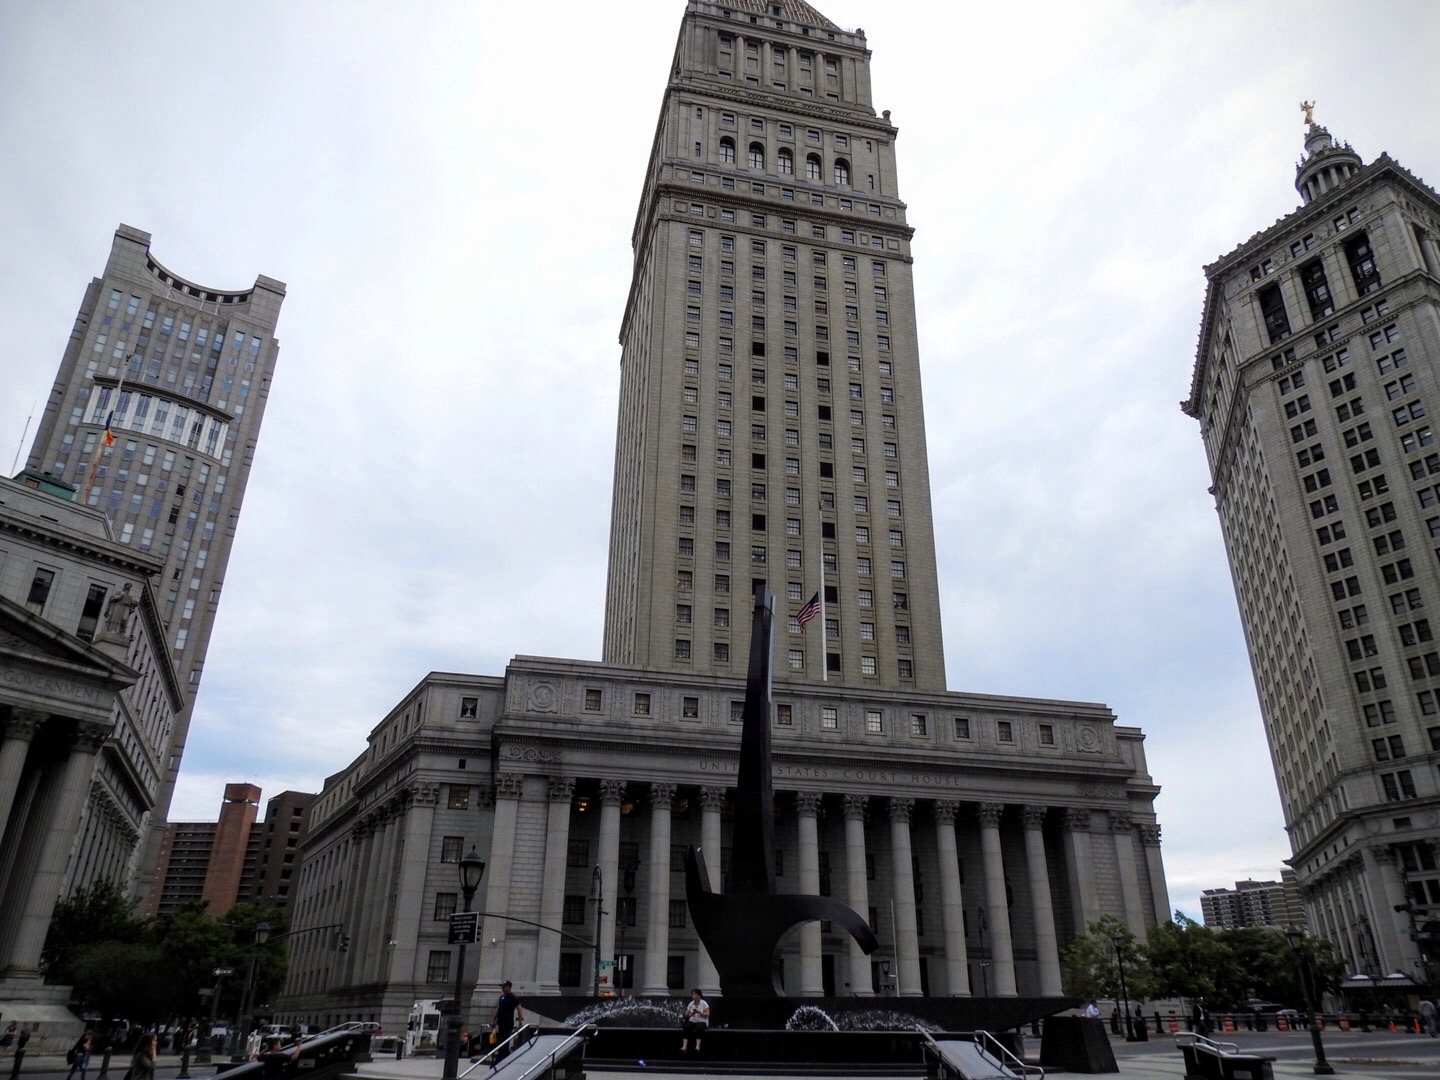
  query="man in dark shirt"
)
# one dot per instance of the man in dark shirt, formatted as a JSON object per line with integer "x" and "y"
{"x": 508, "y": 1011}
{"x": 274, "y": 1059}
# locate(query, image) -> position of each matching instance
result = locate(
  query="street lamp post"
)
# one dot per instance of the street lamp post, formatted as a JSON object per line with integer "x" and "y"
{"x": 204, "y": 1045}
{"x": 884, "y": 962}
{"x": 241, "y": 1033}
{"x": 472, "y": 869}
{"x": 622, "y": 962}
{"x": 1295, "y": 936}
{"x": 984, "y": 963}
{"x": 1118, "y": 940}
{"x": 597, "y": 895}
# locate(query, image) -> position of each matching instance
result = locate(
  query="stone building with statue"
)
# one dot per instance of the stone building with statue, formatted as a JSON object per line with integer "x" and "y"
{"x": 88, "y": 701}
{"x": 978, "y": 834}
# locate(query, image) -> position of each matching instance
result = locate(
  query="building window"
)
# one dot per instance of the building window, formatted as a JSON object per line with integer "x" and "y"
{"x": 593, "y": 699}
{"x": 1362, "y": 264}
{"x": 784, "y": 715}
{"x": 39, "y": 590}
{"x": 682, "y": 649}
{"x": 962, "y": 727}
{"x": 469, "y": 708}
{"x": 874, "y": 722}
{"x": 829, "y": 718}
{"x": 444, "y": 905}
{"x": 918, "y": 724}
{"x": 578, "y": 853}
{"x": 574, "y": 910}
{"x": 437, "y": 970}
{"x": 459, "y": 797}
{"x": 690, "y": 708}
{"x": 642, "y": 704}
{"x": 451, "y": 848}
{"x": 1004, "y": 731}
{"x": 1047, "y": 734}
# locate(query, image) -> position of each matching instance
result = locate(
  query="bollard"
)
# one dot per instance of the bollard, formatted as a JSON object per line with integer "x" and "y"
{"x": 184, "y": 1073}
{"x": 399, "y": 1049}
{"x": 15, "y": 1068}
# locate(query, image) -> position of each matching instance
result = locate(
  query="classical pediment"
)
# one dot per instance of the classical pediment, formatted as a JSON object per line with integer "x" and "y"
{"x": 41, "y": 665}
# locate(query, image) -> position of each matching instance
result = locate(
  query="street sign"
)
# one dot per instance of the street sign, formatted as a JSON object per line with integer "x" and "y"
{"x": 222, "y": 972}
{"x": 464, "y": 928}
{"x": 606, "y": 964}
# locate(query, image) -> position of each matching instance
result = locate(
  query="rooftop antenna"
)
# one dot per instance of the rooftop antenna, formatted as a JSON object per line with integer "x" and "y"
{"x": 16, "y": 463}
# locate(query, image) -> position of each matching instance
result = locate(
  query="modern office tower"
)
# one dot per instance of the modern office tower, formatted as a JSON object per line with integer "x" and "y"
{"x": 182, "y": 371}
{"x": 1253, "y": 903}
{"x": 1315, "y": 386}
{"x": 88, "y": 702}
{"x": 979, "y": 834}
{"x": 771, "y": 417}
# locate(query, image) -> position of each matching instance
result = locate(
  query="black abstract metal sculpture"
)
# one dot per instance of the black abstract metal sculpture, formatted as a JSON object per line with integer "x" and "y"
{"x": 741, "y": 929}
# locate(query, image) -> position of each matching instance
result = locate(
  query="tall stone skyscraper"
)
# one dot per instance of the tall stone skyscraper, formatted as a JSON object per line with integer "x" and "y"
{"x": 770, "y": 404}
{"x": 184, "y": 372}
{"x": 1315, "y": 385}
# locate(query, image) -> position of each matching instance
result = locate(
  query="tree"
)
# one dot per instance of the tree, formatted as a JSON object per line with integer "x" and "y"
{"x": 1091, "y": 967}
{"x": 1189, "y": 960}
{"x": 193, "y": 945}
{"x": 123, "y": 981}
{"x": 91, "y": 914}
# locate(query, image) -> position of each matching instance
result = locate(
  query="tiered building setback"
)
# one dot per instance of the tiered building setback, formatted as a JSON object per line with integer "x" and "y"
{"x": 771, "y": 423}
{"x": 1315, "y": 385}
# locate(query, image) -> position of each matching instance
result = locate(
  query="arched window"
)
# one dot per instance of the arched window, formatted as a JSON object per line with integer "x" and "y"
{"x": 812, "y": 166}
{"x": 727, "y": 151}
{"x": 757, "y": 156}
{"x": 842, "y": 172}
{"x": 785, "y": 161}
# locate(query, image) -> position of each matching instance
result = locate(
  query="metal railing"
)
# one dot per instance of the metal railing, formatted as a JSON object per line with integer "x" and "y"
{"x": 988, "y": 1044}
{"x": 546, "y": 1062}
{"x": 1194, "y": 1038}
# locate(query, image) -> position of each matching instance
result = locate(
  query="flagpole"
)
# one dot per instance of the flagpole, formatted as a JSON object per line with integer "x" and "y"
{"x": 100, "y": 442}
{"x": 824, "y": 655}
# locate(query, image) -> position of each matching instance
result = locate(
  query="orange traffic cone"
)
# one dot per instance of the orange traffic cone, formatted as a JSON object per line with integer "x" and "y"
{"x": 1281, "y": 1024}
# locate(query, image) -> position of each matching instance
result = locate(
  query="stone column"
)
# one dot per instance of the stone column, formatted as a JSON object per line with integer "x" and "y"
{"x": 374, "y": 944}
{"x": 362, "y": 838}
{"x": 496, "y": 895}
{"x": 410, "y": 910}
{"x": 711, "y": 799}
{"x": 1047, "y": 951}
{"x": 1080, "y": 868}
{"x": 952, "y": 901}
{"x": 552, "y": 891}
{"x": 1155, "y": 870}
{"x": 807, "y": 806}
{"x": 44, "y": 891}
{"x": 657, "y": 936}
{"x": 997, "y": 907}
{"x": 902, "y": 889}
{"x": 857, "y": 890}
{"x": 1123, "y": 829}
{"x": 612, "y": 793}
{"x": 1391, "y": 894}
{"x": 19, "y": 732}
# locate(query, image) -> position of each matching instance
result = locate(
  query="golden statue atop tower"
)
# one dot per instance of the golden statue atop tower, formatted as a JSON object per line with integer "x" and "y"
{"x": 1309, "y": 108}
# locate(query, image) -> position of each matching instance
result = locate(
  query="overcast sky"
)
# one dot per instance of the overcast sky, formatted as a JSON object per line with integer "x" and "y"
{"x": 449, "y": 188}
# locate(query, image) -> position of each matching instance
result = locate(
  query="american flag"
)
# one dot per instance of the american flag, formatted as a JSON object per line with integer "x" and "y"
{"x": 809, "y": 611}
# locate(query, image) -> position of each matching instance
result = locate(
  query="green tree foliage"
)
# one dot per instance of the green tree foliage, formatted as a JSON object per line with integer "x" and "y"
{"x": 1091, "y": 964}
{"x": 1189, "y": 960}
{"x": 90, "y": 915}
{"x": 122, "y": 980}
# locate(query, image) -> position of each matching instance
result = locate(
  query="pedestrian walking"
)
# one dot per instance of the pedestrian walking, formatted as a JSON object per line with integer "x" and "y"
{"x": 508, "y": 1011}
{"x": 1429, "y": 1018}
{"x": 20, "y": 1040}
{"x": 7, "y": 1040}
{"x": 142, "y": 1062}
{"x": 78, "y": 1057}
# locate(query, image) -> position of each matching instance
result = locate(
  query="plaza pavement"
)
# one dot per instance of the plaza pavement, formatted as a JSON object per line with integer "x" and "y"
{"x": 1378, "y": 1055}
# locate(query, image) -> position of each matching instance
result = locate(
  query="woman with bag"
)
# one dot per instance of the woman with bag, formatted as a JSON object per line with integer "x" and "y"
{"x": 142, "y": 1064}
{"x": 79, "y": 1057}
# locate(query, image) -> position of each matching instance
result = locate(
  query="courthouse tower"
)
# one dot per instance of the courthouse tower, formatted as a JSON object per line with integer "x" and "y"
{"x": 770, "y": 404}
{"x": 183, "y": 371}
{"x": 1315, "y": 385}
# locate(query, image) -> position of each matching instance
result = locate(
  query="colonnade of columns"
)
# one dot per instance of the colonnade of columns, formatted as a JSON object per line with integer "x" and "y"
{"x": 42, "y": 796}
{"x": 996, "y": 939}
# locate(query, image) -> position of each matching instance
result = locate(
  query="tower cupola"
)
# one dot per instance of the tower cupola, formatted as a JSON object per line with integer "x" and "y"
{"x": 1326, "y": 164}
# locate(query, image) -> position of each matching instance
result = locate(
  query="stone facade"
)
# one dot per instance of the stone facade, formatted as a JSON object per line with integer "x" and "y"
{"x": 89, "y": 701}
{"x": 978, "y": 833}
{"x": 1315, "y": 383}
